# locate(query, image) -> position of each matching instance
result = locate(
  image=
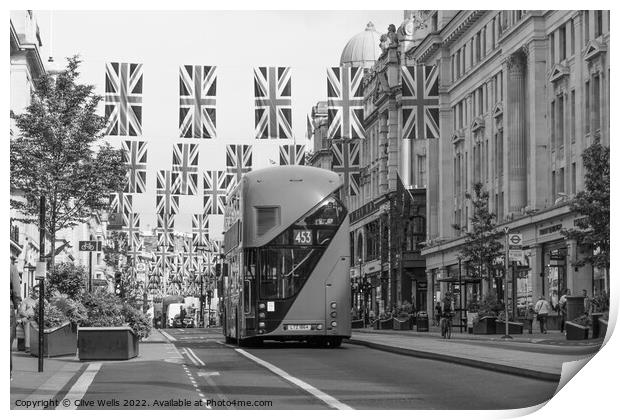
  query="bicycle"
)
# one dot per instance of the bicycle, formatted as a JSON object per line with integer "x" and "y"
{"x": 446, "y": 326}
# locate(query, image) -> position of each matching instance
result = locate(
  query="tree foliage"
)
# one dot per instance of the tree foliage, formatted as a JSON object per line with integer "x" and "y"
{"x": 482, "y": 245}
{"x": 592, "y": 203}
{"x": 58, "y": 153}
{"x": 66, "y": 278}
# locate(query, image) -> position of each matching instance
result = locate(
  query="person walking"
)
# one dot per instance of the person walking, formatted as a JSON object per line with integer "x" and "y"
{"x": 587, "y": 303}
{"x": 437, "y": 313}
{"x": 542, "y": 310}
{"x": 16, "y": 300}
{"x": 562, "y": 309}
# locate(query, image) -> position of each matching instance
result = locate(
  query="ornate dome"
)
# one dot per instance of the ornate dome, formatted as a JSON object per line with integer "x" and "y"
{"x": 363, "y": 49}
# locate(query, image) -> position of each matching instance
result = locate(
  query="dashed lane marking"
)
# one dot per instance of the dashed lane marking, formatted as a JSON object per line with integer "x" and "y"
{"x": 80, "y": 387}
{"x": 197, "y": 388}
{"x": 327, "y": 399}
{"x": 168, "y": 336}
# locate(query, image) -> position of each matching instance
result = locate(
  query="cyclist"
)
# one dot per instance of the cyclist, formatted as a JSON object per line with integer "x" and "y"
{"x": 447, "y": 312}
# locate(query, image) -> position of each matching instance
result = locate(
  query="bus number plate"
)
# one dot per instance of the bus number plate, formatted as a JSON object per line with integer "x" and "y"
{"x": 302, "y": 237}
{"x": 299, "y": 327}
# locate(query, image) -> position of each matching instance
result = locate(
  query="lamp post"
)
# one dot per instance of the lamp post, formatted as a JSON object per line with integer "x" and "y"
{"x": 506, "y": 266}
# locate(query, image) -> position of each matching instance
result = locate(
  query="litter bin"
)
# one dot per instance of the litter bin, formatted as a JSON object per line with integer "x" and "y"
{"x": 421, "y": 322}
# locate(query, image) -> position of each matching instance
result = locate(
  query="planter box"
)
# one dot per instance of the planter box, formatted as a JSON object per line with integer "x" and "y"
{"x": 107, "y": 343}
{"x": 602, "y": 328}
{"x": 513, "y": 327}
{"x": 57, "y": 341}
{"x": 357, "y": 323}
{"x": 576, "y": 331}
{"x": 402, "y": 323}
{"x": 485, "y": 325}
{"x": 383, "y": 324}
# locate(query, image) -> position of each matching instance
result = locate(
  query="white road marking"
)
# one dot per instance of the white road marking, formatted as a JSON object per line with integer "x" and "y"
{"x": 208, "y": 373}
{"x": 168, "y": 336}
{"x": 200, "y": 362}
{"x": 327, "y": 399}
{"x": 80, "y": 387}
{"x": 181, "y": 329}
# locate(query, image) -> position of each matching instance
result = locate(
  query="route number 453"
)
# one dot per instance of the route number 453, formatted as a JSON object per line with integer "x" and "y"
{"x": 302, "y": 237}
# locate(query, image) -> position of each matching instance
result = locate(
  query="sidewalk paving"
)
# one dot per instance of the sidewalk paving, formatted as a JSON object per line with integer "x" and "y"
{"x": 59, "y": 373}
{"x": 537, "y": 355}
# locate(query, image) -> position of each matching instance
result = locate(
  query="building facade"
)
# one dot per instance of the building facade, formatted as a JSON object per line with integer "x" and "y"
{"x": 522, "y": 94}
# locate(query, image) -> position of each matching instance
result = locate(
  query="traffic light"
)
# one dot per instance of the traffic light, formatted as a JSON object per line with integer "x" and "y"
{"x": 209, "y": 294}
{"x": 218, "y": 270}
{"x": 118, "y": 282}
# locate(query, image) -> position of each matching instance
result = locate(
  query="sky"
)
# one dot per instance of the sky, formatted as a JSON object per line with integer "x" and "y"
{"x": 235, "y": 42}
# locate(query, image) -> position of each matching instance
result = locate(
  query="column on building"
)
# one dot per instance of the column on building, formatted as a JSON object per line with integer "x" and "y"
{"x": 445, "y": 202}
{"x": 516, "y": 119}
{"x": 432, "y": 189}
{"x": 539, "y": 152}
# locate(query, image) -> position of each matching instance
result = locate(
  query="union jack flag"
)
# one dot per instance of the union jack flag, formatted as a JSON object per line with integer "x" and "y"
{"x": 161, "y": 260}
{"x": 132, "y": 228}
{"x": 134, "y": 156}
{"x": 345, "y": 103}
{"x": 185, "y": 163}
{"x": 123, "y": 99}
{"x": 121, "y": 203}
{"x": 292, "y": 154}
{"x": 165, "y": 230}
{"x": 134, "y": 253}
{"x": 200, "y": 229}
{"x": 166, "y": 201}
{"x": 197, "y": 86}
{"x": 273, "y": 106}
{"x": 346, "y": 163}
{"x": 420, "y": 102}
{"x": 215, "y": 185}
{"x": 238, "y": 160}
{"x": 190, "y": 264}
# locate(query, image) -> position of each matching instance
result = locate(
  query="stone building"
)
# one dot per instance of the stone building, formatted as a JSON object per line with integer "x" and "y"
{"x": 522, "y": 94}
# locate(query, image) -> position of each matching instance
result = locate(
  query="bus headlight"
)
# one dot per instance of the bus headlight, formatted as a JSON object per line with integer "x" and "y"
{"x": 261, "y": 315}
{"x": 334, "y": 324}
{"x": 333, "y": 305}
{"x": 319, "y": 327}
{"x": 261, "y": 306}
{"x": 261, "y": 325}
{"x": 333, "y": 314}
{"x": 261, "y": 331}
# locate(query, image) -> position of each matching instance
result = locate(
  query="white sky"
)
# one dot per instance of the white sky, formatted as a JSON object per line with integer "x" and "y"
{"x": 235, "y": 42}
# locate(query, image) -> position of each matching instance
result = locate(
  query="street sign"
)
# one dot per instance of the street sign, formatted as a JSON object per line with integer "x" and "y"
{"x": 515, "y": 240}
{"x": 516, "y": 255}
{"x": 90, "y": 246}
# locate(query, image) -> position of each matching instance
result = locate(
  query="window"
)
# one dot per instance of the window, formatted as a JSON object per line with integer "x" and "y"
{"x": 561, "y": 181}
{"x": 573, "y": 178}
{"x": 499, "y": 153}
{"x": 596, "y": 102}
{"x": 553, "y": 190}
{"x": 552, "y": 123}
{"x": 421, "y": 171}
{"x": 598, "y": 23}
{"x": 572, "y": 115}
{"x": 500, "y": 212}
{"x": 552, "y": 48}
{"x": 477, "y": 47}
{"x": 484, "y": 42}
{"x": 560, "y": 139}
{"x": 493, "y": 26}
{"x": 586, "y": 26}
{"x": 266, "y": 219}
{"x": 572, "y": 37}
{"x": 562, "y": 35}
{"x": 587, "y": 100}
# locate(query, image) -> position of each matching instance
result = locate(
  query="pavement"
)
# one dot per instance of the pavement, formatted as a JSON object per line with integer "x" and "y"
{"x": 170, "y": 365}
{"x": 535, "y": 355}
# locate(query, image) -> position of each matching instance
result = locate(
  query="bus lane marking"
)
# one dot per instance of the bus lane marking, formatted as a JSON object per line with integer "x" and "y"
{"x": 80, "y": 387}
{"x": 317, "y": 393}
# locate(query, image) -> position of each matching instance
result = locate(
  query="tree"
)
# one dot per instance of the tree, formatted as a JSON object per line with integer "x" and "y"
{"x": 58, "y": 154}
{"x": 66, "y": 278}
{"x": 482, "y": 245}
{"x": 592, "y": 203}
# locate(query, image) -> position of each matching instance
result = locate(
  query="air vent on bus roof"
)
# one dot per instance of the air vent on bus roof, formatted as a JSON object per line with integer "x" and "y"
{"x": 266, "y": 219}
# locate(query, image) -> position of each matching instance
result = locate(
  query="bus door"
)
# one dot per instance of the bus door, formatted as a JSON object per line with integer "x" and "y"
{"x": 249, "y": 291}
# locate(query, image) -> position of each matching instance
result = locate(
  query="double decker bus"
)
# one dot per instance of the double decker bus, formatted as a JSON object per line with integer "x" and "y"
{"x": 286, "y": 265}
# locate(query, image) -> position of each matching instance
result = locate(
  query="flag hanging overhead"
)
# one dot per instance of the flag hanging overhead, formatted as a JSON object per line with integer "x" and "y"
{"x": 132, "y": 228}
{"x": 238, "y": 160}
{"x": 134, "y": 155}
{"x": 197, "y": 90}
{"x": 185, "y": 163}
{"x": 165, "y": 230}
{"x": 166, "y": 202}
{"x": 420, "y": 102}
{"x": 309, "y": 127}
{"x": 273, "y": 106}
{"x": 215, "y": 186}
{"x": 346, "y": 162}
{"x": 200, "y": 230}
{"x": 292, "y": 154}
{"x": 121, "y": 202}
{"x": 123, "y": 99}
{"x": 345, "y": 103}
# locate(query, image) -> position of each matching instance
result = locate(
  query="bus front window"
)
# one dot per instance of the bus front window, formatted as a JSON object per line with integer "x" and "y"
{"x": 285, "y": 270}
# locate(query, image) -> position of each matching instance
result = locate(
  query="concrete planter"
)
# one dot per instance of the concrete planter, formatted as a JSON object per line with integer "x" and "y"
{"x": 576, "y": 331}
{"x": 513, "y": 327}
{"x": 602, "y": 328}
{"x": 383, "y": 324}
{"x": 57, "y": 341}
{"x": 402, "y": 323}
{"x": 107, "y": 343}
{"x": 357, "y": 323}
{"x": 485, "y": 325}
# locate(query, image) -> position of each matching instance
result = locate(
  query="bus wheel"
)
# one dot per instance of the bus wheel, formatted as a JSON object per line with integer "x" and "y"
{"x": 228, "y": 340}
{"x": 334, "y": 342}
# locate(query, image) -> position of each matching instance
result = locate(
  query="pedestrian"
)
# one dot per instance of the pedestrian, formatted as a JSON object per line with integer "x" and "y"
{"x": 529, "y": 317}
{"x": 587, "y": 303}
{"x": 16, "y": 300}
{"x": 562, "y": 309}
{"x": 437, "y": 313}
{"x": 542, "y": 310}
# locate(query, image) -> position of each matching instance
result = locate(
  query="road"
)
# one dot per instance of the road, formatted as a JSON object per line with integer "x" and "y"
{"x": 202, "y": 371}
